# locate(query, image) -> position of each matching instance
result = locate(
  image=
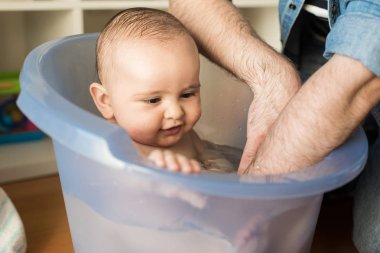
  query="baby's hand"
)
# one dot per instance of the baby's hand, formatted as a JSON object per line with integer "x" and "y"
{"x": 173, "y": 161}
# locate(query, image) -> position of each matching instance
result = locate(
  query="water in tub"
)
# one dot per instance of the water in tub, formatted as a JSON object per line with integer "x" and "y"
{"x": 162, "y": 218}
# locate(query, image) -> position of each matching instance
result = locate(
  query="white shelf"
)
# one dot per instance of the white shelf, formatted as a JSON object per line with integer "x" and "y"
{"x": 35, "y": 5}
{"x": 25, "y": 5}
{"x": 255, "y": 3}
{"x": 113, "y": 5}
{"x": 30, "y": 23}
{"x": 26, "y": 160}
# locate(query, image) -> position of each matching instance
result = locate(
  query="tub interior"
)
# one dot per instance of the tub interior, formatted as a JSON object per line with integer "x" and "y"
{"x": 56, "y": 77}
{"x": 221, "y": 93}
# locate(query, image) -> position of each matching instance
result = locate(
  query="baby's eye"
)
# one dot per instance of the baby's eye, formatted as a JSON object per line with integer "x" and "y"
{"x": 188, "y": 94}
{"x": 152, "y": 100}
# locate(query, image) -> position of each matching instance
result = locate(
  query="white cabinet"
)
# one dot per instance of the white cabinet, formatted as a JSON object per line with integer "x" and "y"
{"x": 25, "y": 24}
{"x": 26, "y": 160}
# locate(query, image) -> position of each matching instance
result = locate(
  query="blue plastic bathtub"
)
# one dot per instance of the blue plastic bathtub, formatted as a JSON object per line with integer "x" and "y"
{"x": 115, "y": 203}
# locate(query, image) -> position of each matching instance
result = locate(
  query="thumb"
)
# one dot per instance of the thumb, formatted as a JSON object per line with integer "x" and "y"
{"x": 249, "y": 153}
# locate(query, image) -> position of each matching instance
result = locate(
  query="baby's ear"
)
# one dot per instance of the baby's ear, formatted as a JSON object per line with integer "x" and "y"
{"x": 100, "y": 96}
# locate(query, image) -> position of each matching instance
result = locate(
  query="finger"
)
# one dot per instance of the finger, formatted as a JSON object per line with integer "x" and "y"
{"x": 188, "y": 165}
{"x": 184, "y": 163}
{"x": 171, "y": 161}
{"x": 195, "y": 165}
{"x": 157, "y": 158}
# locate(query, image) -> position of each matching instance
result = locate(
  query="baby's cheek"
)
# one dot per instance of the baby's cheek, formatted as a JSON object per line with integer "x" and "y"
{"x": 142, "y": 135}
{"x": 196, "y": 115}
{"x": 135, "y": 133}
{"x": 132, "y": 133}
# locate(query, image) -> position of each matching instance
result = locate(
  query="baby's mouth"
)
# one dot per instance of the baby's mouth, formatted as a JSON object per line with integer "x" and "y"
{"x": 172, "y": 131}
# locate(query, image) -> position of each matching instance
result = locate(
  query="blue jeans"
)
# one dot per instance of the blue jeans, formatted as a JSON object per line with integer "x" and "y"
{"x": 306, "y": 52}
{"x": 353, "y": 24}
{"x": 366, "y": 233}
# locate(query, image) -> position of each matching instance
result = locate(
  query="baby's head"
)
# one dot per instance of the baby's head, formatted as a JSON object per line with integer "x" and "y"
{"x": 148, "y": 68}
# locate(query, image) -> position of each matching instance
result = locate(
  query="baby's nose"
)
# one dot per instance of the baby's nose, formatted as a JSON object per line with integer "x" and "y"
{"x": 174, "y": 111}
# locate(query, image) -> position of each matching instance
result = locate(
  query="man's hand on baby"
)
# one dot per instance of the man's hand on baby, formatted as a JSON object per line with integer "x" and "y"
{"x": 173, "y": 161}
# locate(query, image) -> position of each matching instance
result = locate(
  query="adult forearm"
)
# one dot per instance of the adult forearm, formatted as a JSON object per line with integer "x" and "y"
{"x": 229, "y": 40}
{"x": 216, "y": 26}
{"x": 329, "y": 106}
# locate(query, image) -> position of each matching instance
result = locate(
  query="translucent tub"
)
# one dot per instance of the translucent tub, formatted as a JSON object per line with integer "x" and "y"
{"x": 115, "y": 203}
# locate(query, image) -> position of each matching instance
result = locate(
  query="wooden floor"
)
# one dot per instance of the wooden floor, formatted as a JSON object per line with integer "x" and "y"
{"x": 40, "y": 205}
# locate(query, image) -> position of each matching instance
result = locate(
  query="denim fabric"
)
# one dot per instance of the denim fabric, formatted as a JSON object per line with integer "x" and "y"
{"x": 355, "y": 26}
{"x": 289, "y": 11}
{"x": 311, "y": 45}
{"x": 366, "y": 232}
{"x": 355, "y": 32}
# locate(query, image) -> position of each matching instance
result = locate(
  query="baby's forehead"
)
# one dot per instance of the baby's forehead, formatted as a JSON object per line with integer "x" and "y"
{"x": 146, "y": 56}
{"x": 133, "y": 41}
{"x": 124, "y": 46}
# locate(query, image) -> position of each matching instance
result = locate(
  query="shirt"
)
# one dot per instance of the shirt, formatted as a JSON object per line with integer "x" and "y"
{"x": 355, "y": 26}
{"x": 355, "y": 31}
{"x": 317, "y": 7}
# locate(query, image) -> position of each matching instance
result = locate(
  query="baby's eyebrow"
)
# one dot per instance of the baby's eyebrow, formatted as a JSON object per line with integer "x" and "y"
{"x": 194, "y": 86}
{"x": 146, "y": 94}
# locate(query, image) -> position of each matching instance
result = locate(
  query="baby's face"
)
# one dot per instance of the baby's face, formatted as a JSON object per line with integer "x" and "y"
{"x": 154, "y": 89}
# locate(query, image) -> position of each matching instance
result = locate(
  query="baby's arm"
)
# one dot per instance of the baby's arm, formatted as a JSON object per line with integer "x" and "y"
{"x": 172, "y": 161}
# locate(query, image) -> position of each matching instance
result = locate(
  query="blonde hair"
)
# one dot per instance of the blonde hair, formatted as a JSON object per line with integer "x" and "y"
{"x": 133, "y": 23}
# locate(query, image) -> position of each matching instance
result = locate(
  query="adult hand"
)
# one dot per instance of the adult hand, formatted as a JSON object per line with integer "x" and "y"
{"x": 271, "y": 94}
{"x": 226, "y": 38}
{"x": 326, "y": 110}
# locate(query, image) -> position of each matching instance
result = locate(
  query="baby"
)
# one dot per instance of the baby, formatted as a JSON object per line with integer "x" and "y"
{"x": 148, "y": 67}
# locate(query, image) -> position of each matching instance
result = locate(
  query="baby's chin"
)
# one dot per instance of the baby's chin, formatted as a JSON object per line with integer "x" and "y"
{"x": 165, "y": 142}
{"x": 154, "y": 145}
{"x": 168, "y": 141}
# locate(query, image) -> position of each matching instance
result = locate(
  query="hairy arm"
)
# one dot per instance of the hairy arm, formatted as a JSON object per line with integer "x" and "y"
{"x": 321, "y": 116}
{"x": 226, "y": 38}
